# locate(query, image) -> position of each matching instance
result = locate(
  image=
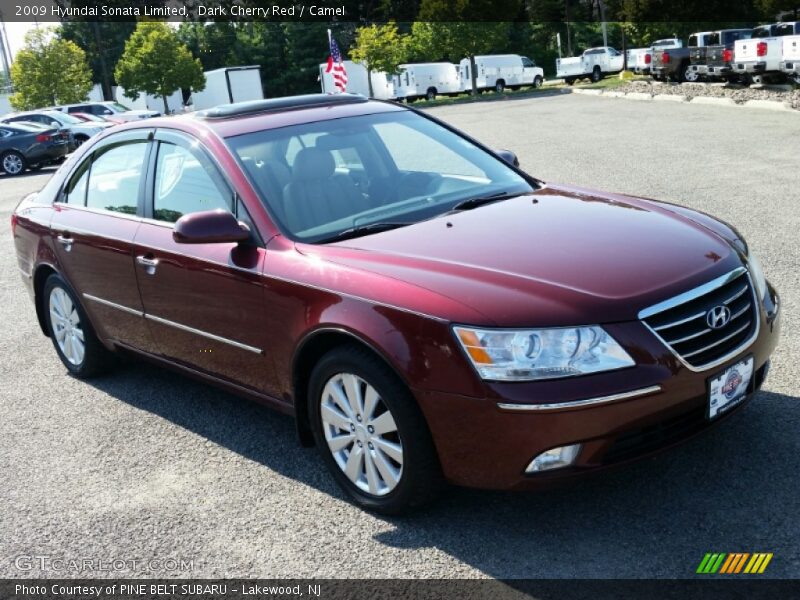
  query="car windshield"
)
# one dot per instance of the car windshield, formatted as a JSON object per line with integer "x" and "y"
{"x": 763, "y": 32}
{"x": 325, "y": 178}
{"x": 117, "y": 107}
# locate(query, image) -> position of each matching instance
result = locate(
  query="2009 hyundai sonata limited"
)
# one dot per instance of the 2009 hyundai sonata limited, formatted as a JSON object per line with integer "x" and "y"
{"x": 427, "y": 311}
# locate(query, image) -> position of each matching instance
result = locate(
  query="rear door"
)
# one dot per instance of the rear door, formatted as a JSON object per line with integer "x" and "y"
{"x": 204, "y": 302}
{"x": 95, "y": 219}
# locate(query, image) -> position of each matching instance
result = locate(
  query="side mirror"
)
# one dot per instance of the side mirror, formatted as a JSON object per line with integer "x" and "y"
{"x": 508, "y": 156}
{"x": 209, "y": 227}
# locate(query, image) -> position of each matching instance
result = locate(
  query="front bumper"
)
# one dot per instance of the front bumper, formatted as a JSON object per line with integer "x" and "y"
{"x": 483, "y": 445}
{"x": 750, "y": 67}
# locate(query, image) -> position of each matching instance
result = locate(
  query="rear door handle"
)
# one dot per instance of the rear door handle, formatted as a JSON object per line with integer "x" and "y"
{"x": 66, "y": 241}
{"x": 149, "y": 264}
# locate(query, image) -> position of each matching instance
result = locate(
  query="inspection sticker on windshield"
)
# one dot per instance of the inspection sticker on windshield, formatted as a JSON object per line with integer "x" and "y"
{"x": 729, "y": 388}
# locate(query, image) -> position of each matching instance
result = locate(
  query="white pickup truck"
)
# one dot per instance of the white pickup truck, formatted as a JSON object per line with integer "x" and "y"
{"x": 640, "y": 59}
{"x": 790, "y": 57}
{"x": 592, "y": 64}
{"x": 762, "y": 54}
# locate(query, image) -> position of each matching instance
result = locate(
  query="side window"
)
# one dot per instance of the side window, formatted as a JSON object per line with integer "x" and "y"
{"x": 115, "y": 178}
{"x": 75, "y": 191}
{"x": 184, "y": 184}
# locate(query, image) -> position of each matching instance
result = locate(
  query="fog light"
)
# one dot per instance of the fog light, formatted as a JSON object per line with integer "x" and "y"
{"x": 555, "y": 458}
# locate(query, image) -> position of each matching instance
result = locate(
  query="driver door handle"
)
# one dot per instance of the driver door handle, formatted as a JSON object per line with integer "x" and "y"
{"x": 65, "y": 240}
{"x": 148, "y": 263}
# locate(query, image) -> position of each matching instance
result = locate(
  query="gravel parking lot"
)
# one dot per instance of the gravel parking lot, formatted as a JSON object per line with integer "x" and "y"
{"x": 147, "y": 465}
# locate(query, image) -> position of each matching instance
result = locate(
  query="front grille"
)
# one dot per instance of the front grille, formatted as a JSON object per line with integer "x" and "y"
{"x": 682, "y": 323}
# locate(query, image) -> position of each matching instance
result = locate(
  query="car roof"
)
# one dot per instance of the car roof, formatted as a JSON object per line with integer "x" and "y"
{"x": 230, "y": 120}
{"x": 24, "y": 127}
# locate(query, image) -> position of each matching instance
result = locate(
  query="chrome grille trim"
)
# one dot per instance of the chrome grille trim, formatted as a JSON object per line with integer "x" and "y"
{"x": 754, "y": 323}
{"x": 718, "y": 342}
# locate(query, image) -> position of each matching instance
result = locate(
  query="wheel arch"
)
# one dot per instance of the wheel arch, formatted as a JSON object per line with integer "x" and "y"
{"x": 309, "y": 351}
{"x": 43, "y": 271}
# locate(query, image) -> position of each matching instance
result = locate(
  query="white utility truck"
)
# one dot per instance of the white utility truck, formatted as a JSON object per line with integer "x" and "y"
{"x": 499, "y": 71}
{"x": 228, "y": 85}
{"x": 592, "y": 64}
{"x": 426, "y": 80}
{"x": 357, "y": 83}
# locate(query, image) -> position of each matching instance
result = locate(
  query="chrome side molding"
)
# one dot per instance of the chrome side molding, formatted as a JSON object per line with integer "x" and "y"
{"x": 579, "y": 403}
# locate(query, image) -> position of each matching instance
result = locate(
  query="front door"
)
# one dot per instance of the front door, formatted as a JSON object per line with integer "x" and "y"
{"x": 94, "y": 224}
{"x": 204, "y": 303}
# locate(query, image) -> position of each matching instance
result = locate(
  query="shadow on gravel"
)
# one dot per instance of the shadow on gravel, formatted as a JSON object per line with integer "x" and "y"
{"x": 733, "y": 489}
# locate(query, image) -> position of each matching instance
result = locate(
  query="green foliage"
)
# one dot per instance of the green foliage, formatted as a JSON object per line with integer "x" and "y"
{"x": 48, "y": 71}
{"x": 213, "y": 43}
{"x": 103, "y": 43}
{"x": 380, "y": 47}
{"x": 156, "y": 63}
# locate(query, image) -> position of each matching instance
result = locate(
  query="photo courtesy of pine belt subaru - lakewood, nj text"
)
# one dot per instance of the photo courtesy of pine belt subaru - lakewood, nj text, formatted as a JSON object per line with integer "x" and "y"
{"x": 427, "y": 311}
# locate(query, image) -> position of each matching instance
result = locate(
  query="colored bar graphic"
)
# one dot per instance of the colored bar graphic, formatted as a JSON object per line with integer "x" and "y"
{"x": 734, "y": 563}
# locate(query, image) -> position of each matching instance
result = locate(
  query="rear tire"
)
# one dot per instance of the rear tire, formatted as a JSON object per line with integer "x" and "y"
{"x": 371, "y": 433}
{"x": 431, "y": 93}
{"x": 537, "y": 82}
{"x": 71, "y": 332}
{"x": 500, "y": 86}
{"x": 13, "y": 163}
{"x": 80, "y": 140}
{"x": 597, "y": 74}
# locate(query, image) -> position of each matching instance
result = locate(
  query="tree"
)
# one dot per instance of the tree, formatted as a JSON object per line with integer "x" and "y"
{"x": 155, "y": 62}
{"x": 103, "y": 43}
{"x": 49, "y": 71}
{"x": 379, "y": 48}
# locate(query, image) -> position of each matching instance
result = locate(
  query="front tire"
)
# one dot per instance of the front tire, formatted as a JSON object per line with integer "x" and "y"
{"x": 537, "y": 82}
{"x": 13, "y": 163}
{"x": 500, "y": 86}
{"x": 70, "y": 331}
{"x": 371, "y": 433}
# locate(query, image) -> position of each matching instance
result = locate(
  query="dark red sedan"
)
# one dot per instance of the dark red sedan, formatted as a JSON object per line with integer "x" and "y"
{"x": 426, "y": 310}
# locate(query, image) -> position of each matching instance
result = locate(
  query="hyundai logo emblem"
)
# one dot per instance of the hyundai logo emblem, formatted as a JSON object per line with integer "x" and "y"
{"x": 718, "y": 317}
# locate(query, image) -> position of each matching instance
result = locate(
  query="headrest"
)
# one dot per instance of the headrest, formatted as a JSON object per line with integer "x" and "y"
{"x": 312, "y": 163}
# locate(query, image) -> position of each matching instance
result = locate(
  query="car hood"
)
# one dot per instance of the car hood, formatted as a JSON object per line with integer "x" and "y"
{"x": 561, "y": 256}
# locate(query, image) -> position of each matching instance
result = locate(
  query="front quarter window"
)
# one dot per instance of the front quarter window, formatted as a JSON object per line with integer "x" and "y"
{"x": 321, "y": 179}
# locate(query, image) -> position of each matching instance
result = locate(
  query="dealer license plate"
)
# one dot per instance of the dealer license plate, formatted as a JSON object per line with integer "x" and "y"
{"x": 727, "y": 389}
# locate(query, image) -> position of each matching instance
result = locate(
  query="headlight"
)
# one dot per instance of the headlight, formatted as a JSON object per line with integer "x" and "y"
{"x": 529, "y": 354}
{"x": 757, "y": 274}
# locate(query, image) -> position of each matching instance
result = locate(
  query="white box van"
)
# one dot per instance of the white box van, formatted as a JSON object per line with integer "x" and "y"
{"x": 228, "y": 85}
{"x": 500, "y": 71}
{"x": 426, "y": 80}
{"x": 382, "y": 83}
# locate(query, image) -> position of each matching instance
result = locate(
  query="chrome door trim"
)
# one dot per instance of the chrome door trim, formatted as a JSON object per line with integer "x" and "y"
{"x": 204, "y": 334}
{"x": 580, "y": 403}
{"x": 131, "y": 311}
{"x": 180, "y": 326}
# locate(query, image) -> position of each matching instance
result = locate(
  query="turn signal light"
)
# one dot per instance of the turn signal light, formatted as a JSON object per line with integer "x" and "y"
{"x": 761, "y": 48}
{"x": 727, "y": 56}
{"x": 665, "y": 57}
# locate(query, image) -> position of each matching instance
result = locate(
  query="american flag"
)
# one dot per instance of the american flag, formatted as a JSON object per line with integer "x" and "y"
{"x": 336, "y": 66}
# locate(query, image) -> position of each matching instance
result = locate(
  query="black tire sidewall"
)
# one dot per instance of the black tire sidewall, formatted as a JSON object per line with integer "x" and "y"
{"x": 402, "y": 405}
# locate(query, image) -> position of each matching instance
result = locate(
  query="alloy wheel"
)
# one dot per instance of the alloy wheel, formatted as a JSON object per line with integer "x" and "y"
{"x": 67, "y": 326}
{"x": 12, "y": 164}
{"x": 361, "y": 434}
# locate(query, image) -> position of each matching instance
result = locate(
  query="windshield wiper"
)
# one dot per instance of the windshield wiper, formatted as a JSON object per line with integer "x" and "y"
{"x": 471, "y": 203}
{"x": 360, "y": 230}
